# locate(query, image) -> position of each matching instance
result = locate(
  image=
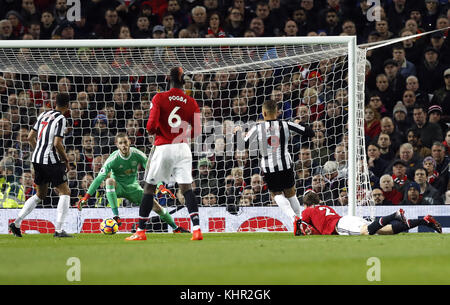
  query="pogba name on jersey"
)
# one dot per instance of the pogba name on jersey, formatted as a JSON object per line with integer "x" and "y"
{"x": 177, "y": 98}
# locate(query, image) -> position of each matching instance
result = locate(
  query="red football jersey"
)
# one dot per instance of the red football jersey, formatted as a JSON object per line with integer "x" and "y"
{"x": 322, "y": 218}
{"x": 170, "y": 116}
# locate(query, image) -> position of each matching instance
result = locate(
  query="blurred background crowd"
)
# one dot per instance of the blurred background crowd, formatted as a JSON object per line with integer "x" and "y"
{"x": 407, "y": 91}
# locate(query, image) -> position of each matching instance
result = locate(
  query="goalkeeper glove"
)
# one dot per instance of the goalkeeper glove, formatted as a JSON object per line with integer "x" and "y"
{"x": 83, "y": 201}
{"x": 161, "y": 188}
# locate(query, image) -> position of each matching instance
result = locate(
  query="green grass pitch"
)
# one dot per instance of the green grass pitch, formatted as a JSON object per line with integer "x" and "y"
{"x": 226, "y": 259}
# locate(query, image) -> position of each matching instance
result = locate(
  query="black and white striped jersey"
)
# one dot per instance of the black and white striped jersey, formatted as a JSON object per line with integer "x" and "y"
{"x": 50, "y": 124}
{"x": 273, "y": 139}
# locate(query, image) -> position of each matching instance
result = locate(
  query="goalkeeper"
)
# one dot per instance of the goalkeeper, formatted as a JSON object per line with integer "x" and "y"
{"x": 123, "y": 166}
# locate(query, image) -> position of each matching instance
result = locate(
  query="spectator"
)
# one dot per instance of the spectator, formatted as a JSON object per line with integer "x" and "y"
{"x": 181, "y": 18}
{"x": 382, "y": 27}
{"x": 406, "y": 68}
{"x": 430, "y": 195}
{"x": 311, "y": 11}
{"x": 412, "y": 84}
{"x": 205, "y": 180}
{"x": 257, "y": 26}
{"x": 234, "y": 24}
{"x": 397, "y": 138}
{"x": 343, "y": 197}
{"x": 399, "y": 176}
{"x": 199, "y": 19}
{"x": 412, "y": 160}
{"x": 375, "y": 163}
{"x": 371, "y": 123}
{"x": 446, "y": 142}
{"x": 413, "y": 138}
{"x": 429, "y": 132}
{"x": 437, "y": 41}
{"x": 5, "y": 136}
{"x": 158, "y": 32}
{"x": 6, "y": 30}
{"x": 88, "y": 152}
{"x": 311, "y": 99}
{"x": 434, "y": 116}
{"x": 412, "y": 195}
{"x": 318, "y": 185}
{"x": 110, "y": 27}
{"x": 378, "y": 197}
{"x": 17, "y": 23}
{"x": 27, "y": 185}
{"x": 228, "y": 193}
{"x": 334, "y": 181}
{"x": 377, "y": 104}
{"x": 171, "y": 28}
{"x": 341, "y": 157}
{"x": 385, "y": 92}
{"x": 142, "y": 29}
{"x": 290, "y": 28}
{"x": 320, "y": 151}
{"x": 331, "y": 23}
{"x": 430, "y": 71}
{"x": 397, "y": 14}
{"x": 300, "y": 18}
{"x": 390, "y": 193}
{"x": 442, "y": 166}
{"x": 34, "y": 28}
{"x": 412, "y": 49}
{"x": 432, "y": 11}
{"x": 395, "y": 79}
{"x": 260, "y": 191}
{"x": 48, "y": 24}
{"x": 29, "y": 11}
{"x": 209, "y": 199}
{"x": 429, "y": 164}
{"x": 137, "y": 138}
{"x": 441, "y": 97}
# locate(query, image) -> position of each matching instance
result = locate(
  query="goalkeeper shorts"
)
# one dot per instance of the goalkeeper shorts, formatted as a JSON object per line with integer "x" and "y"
{"x": 132, "y": 192}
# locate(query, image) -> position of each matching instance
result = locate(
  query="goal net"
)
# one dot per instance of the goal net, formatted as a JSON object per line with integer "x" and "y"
{"x": 316, "y": 81}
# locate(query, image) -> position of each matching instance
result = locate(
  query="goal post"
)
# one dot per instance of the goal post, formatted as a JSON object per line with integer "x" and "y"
{"x": 138, "y": 67}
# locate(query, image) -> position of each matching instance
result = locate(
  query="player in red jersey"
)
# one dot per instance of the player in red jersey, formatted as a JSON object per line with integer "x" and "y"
{"x": 174, "y": 118}
{"x": 320, "y": 219}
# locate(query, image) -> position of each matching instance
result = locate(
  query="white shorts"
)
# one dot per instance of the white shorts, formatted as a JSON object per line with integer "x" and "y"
{"x": 350, "y": 225}
{"x": 169, "y": 163}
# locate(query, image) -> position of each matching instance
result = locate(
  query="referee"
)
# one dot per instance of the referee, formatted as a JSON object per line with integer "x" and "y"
{"x": 50, "y": 164}
{"x": 272, "y": 136}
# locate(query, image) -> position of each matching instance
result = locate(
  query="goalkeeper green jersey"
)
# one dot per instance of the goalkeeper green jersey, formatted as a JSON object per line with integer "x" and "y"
{"x": 123, "y": 170}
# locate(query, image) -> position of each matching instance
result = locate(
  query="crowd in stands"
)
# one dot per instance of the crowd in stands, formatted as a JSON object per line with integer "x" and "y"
{"x": 407, "y": 91}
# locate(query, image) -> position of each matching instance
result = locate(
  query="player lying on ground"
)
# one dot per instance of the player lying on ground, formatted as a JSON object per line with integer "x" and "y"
{"x": 272, "y": 137}
{"x": 123, "y": 165}
{"x": 320, "y": 219}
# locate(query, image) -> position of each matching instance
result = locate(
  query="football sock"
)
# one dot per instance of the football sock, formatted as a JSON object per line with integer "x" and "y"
{"x": 192, "y": 207}
{"x": 285, "y": 206}
{"x": 112, "y": 199}
{"x": 398, "y": 226}
{"x": 166, "y": 217}
{"x": 378, "y": 224}
{"x": 144, "y": 210}
{"x": 62, "y": 209}
{"x": 295, "y": 205}
{"x": 412, "y": 223}
{"x": 28, "y": 206}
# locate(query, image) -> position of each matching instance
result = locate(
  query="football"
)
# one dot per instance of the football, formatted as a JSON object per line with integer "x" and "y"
{"x": 109, "y": 226}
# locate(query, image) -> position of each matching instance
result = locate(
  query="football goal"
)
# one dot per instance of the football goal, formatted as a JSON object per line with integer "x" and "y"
{"x": 317, "y": 81}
